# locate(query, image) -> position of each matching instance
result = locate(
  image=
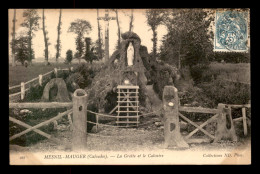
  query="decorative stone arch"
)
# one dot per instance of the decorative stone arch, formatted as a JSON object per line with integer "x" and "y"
{"x": 62, "y": 92}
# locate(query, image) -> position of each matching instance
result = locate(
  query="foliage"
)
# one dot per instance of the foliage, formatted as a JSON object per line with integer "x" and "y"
{"x": 90, "y": 55}
{"x": 76, "y": 55}
{"x": 188, "y": 40}
{"x": 79, "y": 47}
{"x": 161, "y": 75}
{"x": 31, "y": 22}
{"x": 20, "y": 45}
{"x": 82, "y": 77}
{"x": 73, "y": 81}
{"x": 231, "y": 57}
{"x": 220, "y": 84}
{"x": 80, "y": 27}
{"x": 69, "y": 56}
{"x": 198, "y": 74}
{"x": 220, "y": 91}
{"x": 98, "y": 50}
{"x": 35, "y": 92}
{"x": 154, "y": 19}
{"x": 111, "y": 101}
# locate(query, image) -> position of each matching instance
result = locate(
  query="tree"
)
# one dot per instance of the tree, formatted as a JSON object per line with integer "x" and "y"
{"x": 118, "y": 30}
{"x": 98, "y": 50}
{"x": 58, "y": 45}
{"x": 154, "y": 19}
{"x": 100, "y": 54}
{"x": 69, "y": 56}
{"x": 31, "y": 22}
{"x": 13, "y": 48}
{"x": 20, "y": 47}
{"x": 188, "y": 38}
{"x": 46, "y": 39}
{"x": 90, "y": 55}
{"x": 80, "y": 27}
{"x": 131, "y": 21}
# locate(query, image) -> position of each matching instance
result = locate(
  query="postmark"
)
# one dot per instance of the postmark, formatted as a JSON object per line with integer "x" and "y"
{"x": 231, "y": 31}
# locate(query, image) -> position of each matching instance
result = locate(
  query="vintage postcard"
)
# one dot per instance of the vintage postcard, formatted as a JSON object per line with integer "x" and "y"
{"x": 129, "y": 86}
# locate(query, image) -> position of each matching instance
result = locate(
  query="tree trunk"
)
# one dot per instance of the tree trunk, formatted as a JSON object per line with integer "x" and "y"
{"x": 46, "y": 51}
{"x": 99, "y": 37}
{"x": 154, "y": 42}
{"x": 179, "y": 56}
{"x": 58, "y": 40}
{"x": 131, "y": 21}
{"x": 30, "y": 46}
{"x": 13, "y": 48}
{"x": 118, "y": 29}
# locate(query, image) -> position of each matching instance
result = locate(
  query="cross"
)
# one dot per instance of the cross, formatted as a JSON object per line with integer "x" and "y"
{"x": 106, "y": 18}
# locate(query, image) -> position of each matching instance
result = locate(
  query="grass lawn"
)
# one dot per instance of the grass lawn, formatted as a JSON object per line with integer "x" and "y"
{"x": 20, "y": 73}
{"x": 235, "y": 72}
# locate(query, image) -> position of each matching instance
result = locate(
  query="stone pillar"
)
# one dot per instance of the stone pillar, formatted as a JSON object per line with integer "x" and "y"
{"x": 225, "y": 126}
{"x": 79, "y": 128}
{"x": 172, "y": 135}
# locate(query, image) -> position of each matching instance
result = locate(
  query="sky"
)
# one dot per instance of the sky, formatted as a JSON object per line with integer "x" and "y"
{"x": 68, "y": 39}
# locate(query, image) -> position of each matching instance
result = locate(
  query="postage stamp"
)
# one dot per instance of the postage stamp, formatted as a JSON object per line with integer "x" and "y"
{"x": 231, "y": 31}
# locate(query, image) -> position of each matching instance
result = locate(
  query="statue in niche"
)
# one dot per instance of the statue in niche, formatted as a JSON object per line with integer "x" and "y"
{"x": 130, "y": 54}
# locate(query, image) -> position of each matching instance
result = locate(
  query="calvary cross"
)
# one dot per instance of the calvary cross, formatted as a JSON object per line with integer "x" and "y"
{"x": 106, "y": 18}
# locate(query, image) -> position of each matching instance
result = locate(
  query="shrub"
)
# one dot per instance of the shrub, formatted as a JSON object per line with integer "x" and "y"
{"x": 231, "y": 57}
{"x": 198, "y": 73}
{"x": 35, "y": 92}
{"x": 161, "y": 75}
{"x": 69, "y": 56}
{"x": 76, "y": 78}
{"x": 220, "y": 91}
{"x": 111, "y": 101}
{"x": 87, "y": 74}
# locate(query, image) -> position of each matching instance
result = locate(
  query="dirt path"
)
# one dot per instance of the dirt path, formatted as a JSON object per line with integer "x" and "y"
{"x": 125, "y": 139}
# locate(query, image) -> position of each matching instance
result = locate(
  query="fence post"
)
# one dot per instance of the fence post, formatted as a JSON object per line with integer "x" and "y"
{"x": 97, "y": 120}
{"x": 244, "y": 121}
{"x": 79, "y": 133}
{"x": 56, "y": 72}
{"x": 40, "y": 79}
{"x": 172, "y": 135}
{"x": 70, "y": 121}
{"x": 22, "y": 90}
{"x": 55, "y": 124}
{"x": 225, "y": 125}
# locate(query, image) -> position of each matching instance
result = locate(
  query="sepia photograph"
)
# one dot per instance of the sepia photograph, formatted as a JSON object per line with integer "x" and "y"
{"x": 129, "y": 86}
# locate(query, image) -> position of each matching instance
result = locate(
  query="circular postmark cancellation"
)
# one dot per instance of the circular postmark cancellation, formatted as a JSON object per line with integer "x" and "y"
{"x": 231, "y": 31}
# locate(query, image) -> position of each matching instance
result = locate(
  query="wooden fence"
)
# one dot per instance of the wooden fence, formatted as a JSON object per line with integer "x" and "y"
{"x": 25, "y": 86}
{"x": 222, "y": 115}
{"x": 172, "y": 112}
{"x": 243, "y": 118}
{"x": 77, "y": 107}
